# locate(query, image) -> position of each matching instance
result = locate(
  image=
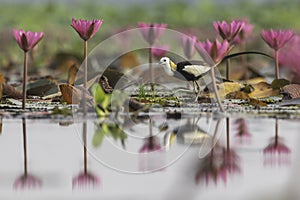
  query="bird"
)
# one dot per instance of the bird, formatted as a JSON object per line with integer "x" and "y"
{"x": 186, "y": 70}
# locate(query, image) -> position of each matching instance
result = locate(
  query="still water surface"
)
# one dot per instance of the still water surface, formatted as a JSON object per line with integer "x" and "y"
{"x": 253, "y": 165}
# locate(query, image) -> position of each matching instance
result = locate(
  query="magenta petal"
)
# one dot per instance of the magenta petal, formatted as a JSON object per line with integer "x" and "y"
{"x": 27, "y": 40}
{"x": 276, "y": 39}
{"x": 151, "y": 32}
{"x": 86, "y": 29}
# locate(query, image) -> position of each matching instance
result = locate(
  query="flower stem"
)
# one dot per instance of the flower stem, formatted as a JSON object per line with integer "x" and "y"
{"x": 150, "y": 69}
{"x": 84, "y": 137}
{"x": 25, "y": 79}
{"x": 85, "y": 77}
{"x": 24, "y": 146}
{"x": 84, "y": 125}
{"x": 276, "y": 132}
{"x": 227, "y": 68}
{"x": 227, "y": 134}
{"x": 276, "y": 64}
{"x": 212, "y": 71}
{"x": 151, "y": 138}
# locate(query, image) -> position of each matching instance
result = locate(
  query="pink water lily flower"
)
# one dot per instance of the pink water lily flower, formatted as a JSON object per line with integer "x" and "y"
{"x": 151, "y": 32}
{"x": 228, "y": 31}
{"x": 276, "y": 39}
{"x": 86, "y": 28}
{"x": 289, "y": 57}
{"x": 159, "y": 51}
{"x": 188, "y": 44}
{"x": 245, "y": 33}
{"x": 27, "y": 40}
{"x": 216, "y": 50}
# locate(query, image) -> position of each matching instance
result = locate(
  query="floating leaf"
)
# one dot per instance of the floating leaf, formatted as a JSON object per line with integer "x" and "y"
{"x": 237, "y": 95}
{"x": 262, "y": 90}
{"x": 279, "y": 83}
{"x": 248, "y": 89}
{"x": 42, "y": 87}
{"x": 256, "y": 102}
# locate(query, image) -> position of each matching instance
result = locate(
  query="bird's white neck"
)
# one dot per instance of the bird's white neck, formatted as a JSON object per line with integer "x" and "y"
{"x": 168, "y": 69}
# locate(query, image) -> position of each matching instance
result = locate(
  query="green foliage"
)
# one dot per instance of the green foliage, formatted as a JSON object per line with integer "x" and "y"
{"x": 142, "y": 92}
{"x": 108, "y": 130}
{"x": 101, "y": 100}
{"x": 61, "y": 111}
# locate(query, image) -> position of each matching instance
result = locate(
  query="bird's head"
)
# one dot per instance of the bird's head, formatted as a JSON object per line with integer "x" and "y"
{"x": 169, "y": 66}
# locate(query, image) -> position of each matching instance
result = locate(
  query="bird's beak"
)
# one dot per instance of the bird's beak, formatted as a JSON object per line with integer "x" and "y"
{"x": 160, "y": 63}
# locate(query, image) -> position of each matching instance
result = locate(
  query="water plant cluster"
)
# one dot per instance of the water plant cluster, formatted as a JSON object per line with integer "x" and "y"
{"x": 214, "y": 52}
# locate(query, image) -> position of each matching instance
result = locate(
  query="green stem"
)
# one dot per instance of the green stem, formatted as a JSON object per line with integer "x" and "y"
{"x": 212, "y": 71}
{"x": 276, "y": 64}
{"x": 25, "y": 79}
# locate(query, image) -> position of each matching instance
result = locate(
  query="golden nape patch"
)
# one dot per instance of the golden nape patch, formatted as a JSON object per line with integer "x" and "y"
{"x": 173, "y": 66}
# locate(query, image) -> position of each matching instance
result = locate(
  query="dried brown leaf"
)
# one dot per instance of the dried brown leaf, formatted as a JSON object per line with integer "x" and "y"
{"x": 72, "y": 74}
{"x": 10, "y": 91}
{"x": 72, "y": 95}
{"x": 262, "y": 90}
{"x": 291, "y": 91}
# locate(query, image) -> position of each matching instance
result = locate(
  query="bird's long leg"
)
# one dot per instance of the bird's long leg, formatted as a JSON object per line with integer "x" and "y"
{"x": 197, "y": 91}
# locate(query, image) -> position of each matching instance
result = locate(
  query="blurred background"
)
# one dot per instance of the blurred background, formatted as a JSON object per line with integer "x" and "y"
{"x": 61, "y": 42}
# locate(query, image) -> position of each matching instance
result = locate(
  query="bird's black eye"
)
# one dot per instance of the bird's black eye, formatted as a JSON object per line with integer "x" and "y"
{"x": 164, "y": 60}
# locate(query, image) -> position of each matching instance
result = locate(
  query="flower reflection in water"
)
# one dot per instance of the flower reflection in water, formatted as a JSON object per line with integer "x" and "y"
{"x": 217, "y": 166}
{"x": 242, "y": 136}
{"x": 276, "y": 153}
{"x": 151, "y": 154}
{"x": 85, "y": 180}
{"x": 26, "y": 180}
